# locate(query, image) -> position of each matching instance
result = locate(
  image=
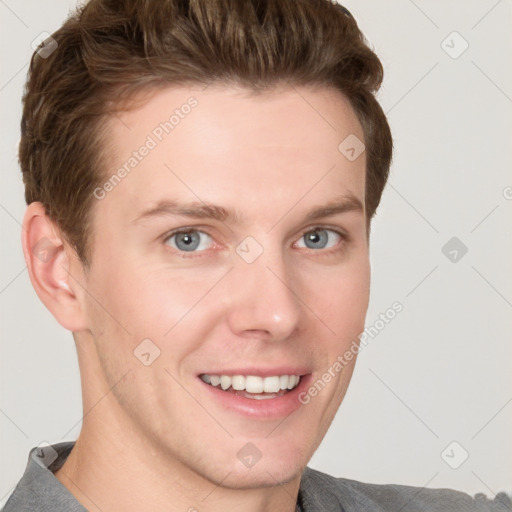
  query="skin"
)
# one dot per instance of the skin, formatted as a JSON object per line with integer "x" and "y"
{"x": 152, "y": 439}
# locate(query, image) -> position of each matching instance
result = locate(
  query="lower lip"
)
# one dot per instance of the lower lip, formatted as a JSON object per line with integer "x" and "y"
{"x": 269, "y": 408}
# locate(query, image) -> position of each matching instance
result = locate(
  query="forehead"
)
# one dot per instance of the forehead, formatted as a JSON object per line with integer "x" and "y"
{"x": 222, "y": 144}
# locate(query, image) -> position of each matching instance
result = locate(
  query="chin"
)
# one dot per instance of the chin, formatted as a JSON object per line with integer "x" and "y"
{"x": 257, "y": 477}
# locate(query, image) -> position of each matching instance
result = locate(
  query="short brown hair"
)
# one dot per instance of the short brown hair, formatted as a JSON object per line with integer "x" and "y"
{"x": 108, "y": 50}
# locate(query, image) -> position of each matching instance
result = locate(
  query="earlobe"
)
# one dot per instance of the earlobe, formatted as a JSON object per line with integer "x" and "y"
{"x": 47, "y": 256}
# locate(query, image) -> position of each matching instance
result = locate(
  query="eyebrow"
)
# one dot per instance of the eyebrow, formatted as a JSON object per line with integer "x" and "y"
{"x": 201, "y": 210}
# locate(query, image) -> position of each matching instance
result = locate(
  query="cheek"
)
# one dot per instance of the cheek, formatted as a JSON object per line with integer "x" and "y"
{"x": 340, "y": 298}
{"x": 134, "y": 297}
{"x": 168, "y": 306}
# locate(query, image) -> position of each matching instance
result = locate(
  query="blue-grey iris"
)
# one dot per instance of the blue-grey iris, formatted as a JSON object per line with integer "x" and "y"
{"x": 190, "y": 241}
{"x": 315, "y": 237}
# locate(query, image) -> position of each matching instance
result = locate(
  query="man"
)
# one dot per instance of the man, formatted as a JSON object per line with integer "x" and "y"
{"x": 200, "y": 179}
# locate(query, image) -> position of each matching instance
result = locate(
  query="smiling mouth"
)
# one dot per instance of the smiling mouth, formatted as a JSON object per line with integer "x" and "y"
{"x": 253, "y": 386}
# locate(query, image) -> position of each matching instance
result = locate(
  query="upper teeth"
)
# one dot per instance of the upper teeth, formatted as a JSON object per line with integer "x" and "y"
{"x": 253, "y": 383}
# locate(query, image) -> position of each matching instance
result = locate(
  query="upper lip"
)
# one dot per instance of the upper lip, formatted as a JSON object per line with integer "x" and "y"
{"x": 260, "y": 372}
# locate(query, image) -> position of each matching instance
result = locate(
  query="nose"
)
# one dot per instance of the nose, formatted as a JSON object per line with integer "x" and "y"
{"x": 264, "y": 300}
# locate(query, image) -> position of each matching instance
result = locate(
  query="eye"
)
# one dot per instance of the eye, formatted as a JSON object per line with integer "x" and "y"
{"x": 320, "y": 238}
{"x": 190, "y": 240}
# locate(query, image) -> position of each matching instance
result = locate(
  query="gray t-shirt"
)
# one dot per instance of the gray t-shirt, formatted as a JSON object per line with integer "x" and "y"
{"x": 39, "y": 490}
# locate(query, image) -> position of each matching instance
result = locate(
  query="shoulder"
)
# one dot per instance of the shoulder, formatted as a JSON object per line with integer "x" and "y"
{"x": 38, "y": 488}
{"x": 320, "y": 491}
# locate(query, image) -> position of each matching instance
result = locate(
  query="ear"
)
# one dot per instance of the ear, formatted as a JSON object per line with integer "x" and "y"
{"x": 49, "y": 259}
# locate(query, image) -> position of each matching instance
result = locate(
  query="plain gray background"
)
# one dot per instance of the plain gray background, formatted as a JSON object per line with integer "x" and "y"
{"x": 434, "y": 385}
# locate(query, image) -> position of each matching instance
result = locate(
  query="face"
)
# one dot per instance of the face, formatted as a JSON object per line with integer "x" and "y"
{"x": 233, "y": 248}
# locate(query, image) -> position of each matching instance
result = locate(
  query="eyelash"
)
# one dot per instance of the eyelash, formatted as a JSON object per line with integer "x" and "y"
{"x": 344, "y": 239}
